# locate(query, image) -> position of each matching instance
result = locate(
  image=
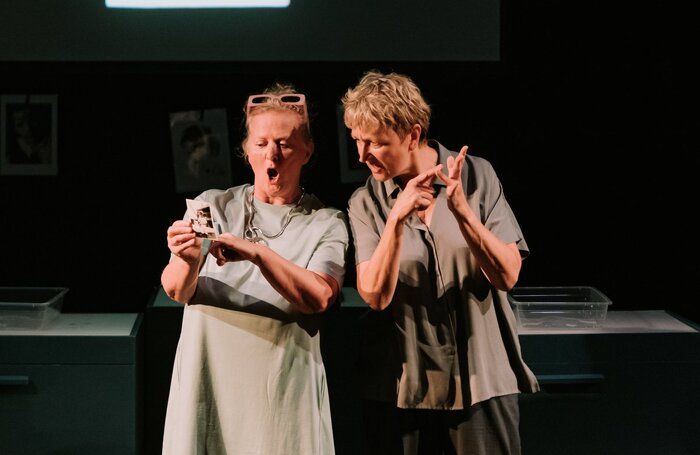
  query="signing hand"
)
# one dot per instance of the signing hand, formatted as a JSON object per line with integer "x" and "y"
{"x": 453, "y": 180}
{"x": 417, "y": 195}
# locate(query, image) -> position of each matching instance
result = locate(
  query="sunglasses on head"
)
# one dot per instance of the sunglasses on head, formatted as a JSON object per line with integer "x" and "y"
{"x": 293, "y": 101}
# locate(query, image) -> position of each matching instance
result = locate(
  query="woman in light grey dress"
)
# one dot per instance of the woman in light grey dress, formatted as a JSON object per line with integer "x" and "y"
{"x": 248, "y": 376}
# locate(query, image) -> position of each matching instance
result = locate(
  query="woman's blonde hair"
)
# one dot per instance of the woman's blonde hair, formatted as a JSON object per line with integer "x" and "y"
{"x": 391, "y": 101}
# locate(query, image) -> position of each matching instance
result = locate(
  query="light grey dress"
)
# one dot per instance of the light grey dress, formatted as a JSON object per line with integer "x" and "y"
{"x": 248, "y": 376}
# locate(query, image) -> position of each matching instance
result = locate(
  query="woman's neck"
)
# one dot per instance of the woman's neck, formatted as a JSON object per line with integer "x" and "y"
{"x": 276, "y": 196}
{"x": 422, "y": 158}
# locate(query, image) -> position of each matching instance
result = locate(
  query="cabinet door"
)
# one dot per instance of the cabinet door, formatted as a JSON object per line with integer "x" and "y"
{"x": 71, "y": 409}
{"x": 569, "y": 415}
{"x": 641, "y": 408}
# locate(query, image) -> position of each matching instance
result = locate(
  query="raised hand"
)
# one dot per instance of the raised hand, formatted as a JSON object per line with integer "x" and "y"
{"x": 417, "y": 195}
{"x": 183, "y": 242}
{"x": 453, "y": 180}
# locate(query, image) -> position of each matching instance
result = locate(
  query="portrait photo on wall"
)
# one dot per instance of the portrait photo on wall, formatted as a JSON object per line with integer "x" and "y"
{"x": 201, "y": 153}
{"x": 28, "y": 135}
{"x": 351, "y": 170}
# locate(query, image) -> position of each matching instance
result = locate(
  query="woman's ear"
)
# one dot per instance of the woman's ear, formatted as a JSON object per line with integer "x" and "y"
{"x": 309, "y": 152}
{"x": 243, "y": 151}
{"x": 414, "y": 134}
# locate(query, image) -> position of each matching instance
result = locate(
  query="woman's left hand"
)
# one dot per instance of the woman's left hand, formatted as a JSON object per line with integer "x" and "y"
{"x": 453, "y": 180}
{"x": 229, "y": 248}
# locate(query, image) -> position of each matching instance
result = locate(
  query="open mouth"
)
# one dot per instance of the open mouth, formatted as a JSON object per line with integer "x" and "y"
{"x": 375, "y": 168}
{"x": 373, "y": 165}
{"x": 272, "y": 174}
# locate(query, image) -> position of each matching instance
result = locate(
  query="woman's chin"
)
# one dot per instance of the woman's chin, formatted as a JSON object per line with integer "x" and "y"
{"x": 379, "y": 174}
{"x": 271, "y": 187}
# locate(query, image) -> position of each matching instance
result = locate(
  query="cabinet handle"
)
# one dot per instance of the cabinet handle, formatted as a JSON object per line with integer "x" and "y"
{"x": 14, "y": 380}
{"x": 572, "y": 384}
{"x": 592, "y": 378}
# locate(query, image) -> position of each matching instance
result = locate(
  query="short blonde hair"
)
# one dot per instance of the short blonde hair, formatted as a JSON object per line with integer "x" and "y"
{"x": 391, "y": 101}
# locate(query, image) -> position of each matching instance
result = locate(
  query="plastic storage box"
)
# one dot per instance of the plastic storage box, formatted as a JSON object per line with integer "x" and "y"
{"x": 23, "y": 308}
{"x": 563, "y": 307}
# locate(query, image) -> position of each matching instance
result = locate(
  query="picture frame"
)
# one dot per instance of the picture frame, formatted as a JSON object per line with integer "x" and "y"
{"x": 28, "y": 134}
{"x": 351, "y": 170}
{"x": 200, "y": 149}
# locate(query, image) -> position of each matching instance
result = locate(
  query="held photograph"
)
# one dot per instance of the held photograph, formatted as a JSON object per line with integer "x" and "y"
{"x": 199, "y": 213}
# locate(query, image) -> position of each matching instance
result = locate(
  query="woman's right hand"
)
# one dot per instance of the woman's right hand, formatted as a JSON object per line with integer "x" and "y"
{"x": 183, "y": 242}
{"x": 417, "y": 195}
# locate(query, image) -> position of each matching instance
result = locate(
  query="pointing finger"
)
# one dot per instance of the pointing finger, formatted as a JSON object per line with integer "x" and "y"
{"x": 426, "y": 176}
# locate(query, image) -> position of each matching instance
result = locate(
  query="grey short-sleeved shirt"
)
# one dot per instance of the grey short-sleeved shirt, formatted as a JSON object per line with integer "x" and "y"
{"x": 454, "y": 341}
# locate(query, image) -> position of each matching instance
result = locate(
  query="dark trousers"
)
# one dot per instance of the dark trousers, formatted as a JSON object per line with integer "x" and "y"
{"x": 490, "y": 427}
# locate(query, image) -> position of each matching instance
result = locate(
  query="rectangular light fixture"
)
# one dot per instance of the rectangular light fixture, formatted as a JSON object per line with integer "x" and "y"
{"x": 155, "y": 4}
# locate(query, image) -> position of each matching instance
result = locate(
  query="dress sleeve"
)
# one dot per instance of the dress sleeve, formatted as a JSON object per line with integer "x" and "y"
{"x": 330, "y": 252}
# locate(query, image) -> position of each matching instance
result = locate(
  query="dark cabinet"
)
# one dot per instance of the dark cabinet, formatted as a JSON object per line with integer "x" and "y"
{"x": 630, "y": 387}
{"x": 73, "y": 387}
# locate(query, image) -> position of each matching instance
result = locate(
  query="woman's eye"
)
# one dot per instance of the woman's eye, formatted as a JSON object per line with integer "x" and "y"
{"x": 283, "y": 145}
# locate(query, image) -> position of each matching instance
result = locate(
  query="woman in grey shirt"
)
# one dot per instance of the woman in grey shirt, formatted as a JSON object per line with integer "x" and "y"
{"x": 437, "y": 248}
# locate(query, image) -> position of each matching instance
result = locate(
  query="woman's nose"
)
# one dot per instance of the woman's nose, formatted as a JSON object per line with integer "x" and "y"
{"x": 362, "y": 151}
{"x": 272, "y": 153}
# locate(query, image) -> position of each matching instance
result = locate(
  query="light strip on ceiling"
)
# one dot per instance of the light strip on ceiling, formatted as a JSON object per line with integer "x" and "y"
{"x": 155, "y": 4}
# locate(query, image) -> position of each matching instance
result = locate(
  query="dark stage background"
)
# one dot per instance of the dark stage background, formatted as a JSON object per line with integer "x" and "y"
{"x": 589, "y": 115}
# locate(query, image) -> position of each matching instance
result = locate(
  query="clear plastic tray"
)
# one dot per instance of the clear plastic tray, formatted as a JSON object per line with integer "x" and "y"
{"x": 560, "y": 307}
{"x": 24, "y": 308}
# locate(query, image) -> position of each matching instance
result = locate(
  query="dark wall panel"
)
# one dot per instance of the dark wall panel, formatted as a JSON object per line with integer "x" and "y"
{"x": 583, "y": 118}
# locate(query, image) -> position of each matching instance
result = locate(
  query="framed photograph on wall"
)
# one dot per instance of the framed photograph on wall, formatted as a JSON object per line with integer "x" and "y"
{"x": 201, "y": 152}
{"x": 351, "y": 170}
{"x": 28, "y": 135}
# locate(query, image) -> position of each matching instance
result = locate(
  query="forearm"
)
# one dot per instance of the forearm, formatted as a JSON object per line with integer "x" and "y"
{"x": 377, "y": 278}
{"x": 307, "y": 291}
{"x": 179, "y": 279}
{"x": 499, "y": 261}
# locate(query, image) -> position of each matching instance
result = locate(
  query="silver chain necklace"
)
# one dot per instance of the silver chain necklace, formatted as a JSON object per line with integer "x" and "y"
{"x": 253, "y": 233}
